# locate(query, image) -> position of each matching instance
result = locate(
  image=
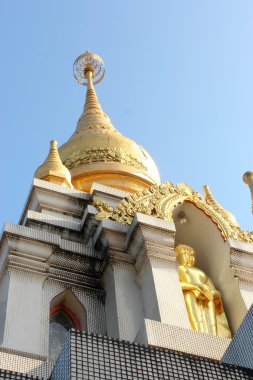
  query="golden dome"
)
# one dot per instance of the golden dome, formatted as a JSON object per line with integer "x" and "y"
{"x": 97, "y": 152}
{"x": 52, "y": 169}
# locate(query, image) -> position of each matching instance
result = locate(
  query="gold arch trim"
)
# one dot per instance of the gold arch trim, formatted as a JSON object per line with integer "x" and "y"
{"x": 160, "y": 201}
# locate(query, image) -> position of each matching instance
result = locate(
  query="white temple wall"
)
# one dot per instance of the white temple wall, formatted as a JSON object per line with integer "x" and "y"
{"x": 148, "y": 291}
{"x": 93, "y": 302}
{"x": 23, "y": 314}
{"x": 246, "y": 289}
{"x": 112, "y": 324}
{"x": 129, "y": 302}
{"x": 28, "y": 310}
{"x": 161, "y": 293}
{"x": 241, "y": 256}
{"x": 60, "y": 216}
{"x": 25, "y": 363}
{"x": 180, "y": 339}
{"x": 3, "y": 255}
{"x": 4, "y": 290}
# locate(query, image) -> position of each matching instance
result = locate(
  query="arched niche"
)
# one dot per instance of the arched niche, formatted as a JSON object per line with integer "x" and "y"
{"x": 195, "y": 228}
{"x": 66, "y": 312}
{"x": 71, "y": 303}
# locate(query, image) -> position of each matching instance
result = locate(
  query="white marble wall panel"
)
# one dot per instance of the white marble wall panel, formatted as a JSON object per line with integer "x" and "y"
{"x": 23, "y": 314}
{"x": 4, "y": 291}
{"x": 129, "y": 302}
{"x": 148, "y": 292}
{"x": 169, "y": 293}
{"x": 112, "y": 324}
{"x": 246, "y": 289}
{"x": 180, "y": 339}
{"x": 123, "y": 304}
{"x": 19, "y": 363}
{"x": 161, "y": 292}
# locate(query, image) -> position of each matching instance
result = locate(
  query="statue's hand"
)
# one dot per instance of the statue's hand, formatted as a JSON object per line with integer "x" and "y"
{"x": 205, "y": 291}
{"x": 217, "y": 301}
{"x": 216, "y": 296}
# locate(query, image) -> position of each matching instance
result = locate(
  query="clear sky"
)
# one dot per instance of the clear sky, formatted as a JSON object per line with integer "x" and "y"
{"x": 179, "y": 81}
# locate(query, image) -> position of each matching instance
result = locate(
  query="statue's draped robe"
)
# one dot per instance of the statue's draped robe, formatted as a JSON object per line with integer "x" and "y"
{"x": 206, "y": 314}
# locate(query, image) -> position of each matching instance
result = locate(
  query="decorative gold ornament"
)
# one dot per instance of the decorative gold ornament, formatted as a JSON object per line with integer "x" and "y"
{"x": 203, "y": 301}
{"x": 105, "y": 209}
{"x": 248, "y": 179}
{"x": 97, "y": 152}
{"x": 161, "y": 200}
{"x": 88, "y": 62}
{"x": 217, "y": 207}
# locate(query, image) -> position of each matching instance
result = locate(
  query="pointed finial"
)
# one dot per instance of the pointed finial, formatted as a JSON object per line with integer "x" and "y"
{"x": 88, "y": 65}
{"x": 209, "y": 198}
{"x": 248, "y": 179}
{"x": 52, "y": 169}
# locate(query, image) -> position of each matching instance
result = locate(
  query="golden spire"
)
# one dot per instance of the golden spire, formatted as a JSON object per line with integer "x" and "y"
{"x": 209, "y": 198}
{"x": 53, "y": 170}
{"x": 248, "y": 179}
{"x": 91, "y": 96}
{"x": 88, "y": 70}
{"x": 97, "y": 152}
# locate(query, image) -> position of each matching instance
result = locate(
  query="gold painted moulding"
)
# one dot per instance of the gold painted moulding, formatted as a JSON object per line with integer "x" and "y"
{"x": 160, "y": 201}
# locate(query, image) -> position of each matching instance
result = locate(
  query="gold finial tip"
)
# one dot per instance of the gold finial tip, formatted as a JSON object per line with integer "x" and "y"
{"x": 88, "y": 62}
{"x": 247, "y": 176}
{"x": 53, "y": 144}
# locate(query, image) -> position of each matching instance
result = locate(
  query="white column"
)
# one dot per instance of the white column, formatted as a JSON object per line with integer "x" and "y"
{"x": 23, "y": 328}
{"x": 123, "y": 303}
{"x": 151, "y": 243}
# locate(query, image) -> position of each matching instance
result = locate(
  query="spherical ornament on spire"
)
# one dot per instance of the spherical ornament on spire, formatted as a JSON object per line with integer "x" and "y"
{"x": 88, "y": 62}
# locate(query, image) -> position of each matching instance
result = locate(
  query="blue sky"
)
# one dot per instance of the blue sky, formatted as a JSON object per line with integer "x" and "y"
{"x": 179, "y": 81}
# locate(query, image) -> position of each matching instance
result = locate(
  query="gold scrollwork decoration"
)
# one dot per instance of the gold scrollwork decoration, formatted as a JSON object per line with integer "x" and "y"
{"x": 105, "y": 211}
{"x": 100, "y": 154}
{"x": 160, "y": 201}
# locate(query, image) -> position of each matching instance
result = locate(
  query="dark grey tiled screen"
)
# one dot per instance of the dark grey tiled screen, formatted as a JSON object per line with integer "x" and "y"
{"x": 10, "y": 375}
{"x": 88, "y": 356}
{"x": 240, "y": 350}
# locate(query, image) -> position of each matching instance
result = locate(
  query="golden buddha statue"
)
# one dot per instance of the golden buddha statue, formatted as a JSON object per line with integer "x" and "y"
{"x": 203, "y": 301}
